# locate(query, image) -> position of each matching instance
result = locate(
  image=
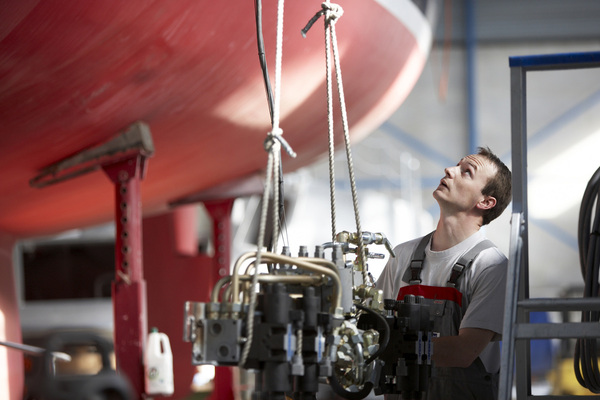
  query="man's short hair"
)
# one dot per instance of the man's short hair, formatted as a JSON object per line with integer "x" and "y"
{"x": 498, "y": 186}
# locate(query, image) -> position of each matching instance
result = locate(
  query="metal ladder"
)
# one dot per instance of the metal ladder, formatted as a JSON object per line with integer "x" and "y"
{"x": 517, "y": 331}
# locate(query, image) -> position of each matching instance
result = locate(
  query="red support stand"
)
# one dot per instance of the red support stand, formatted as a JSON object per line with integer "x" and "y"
{"x": 176, "y": 272}
{"x": 220, "y": 211}
{"x": 129, "y": 287}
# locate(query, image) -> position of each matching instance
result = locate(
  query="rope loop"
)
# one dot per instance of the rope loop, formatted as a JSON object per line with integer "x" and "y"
{"x": 331, "y": 11}
{"x": 276, "y": 137}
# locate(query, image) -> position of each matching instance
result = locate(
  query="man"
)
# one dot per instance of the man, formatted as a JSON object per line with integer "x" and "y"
{"x": 466, "y": 356}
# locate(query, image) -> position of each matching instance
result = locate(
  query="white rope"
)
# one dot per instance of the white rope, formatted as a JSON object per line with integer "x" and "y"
{"x": 278, "y": 62}
{"x": 332, "y": 13}
{"x": 340, "y": 86}
{"x": 275, "y": 210}
{"x": 330, "y": 130}
{"x": 273, "y": 146}
{"x": 261, "y": 236}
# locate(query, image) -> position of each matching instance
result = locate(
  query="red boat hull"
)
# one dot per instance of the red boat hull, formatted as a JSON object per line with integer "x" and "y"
{"x": 73, "y": 74}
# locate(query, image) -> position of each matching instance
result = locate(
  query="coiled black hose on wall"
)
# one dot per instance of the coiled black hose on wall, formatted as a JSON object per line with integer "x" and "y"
{"x": 588, "y": 236}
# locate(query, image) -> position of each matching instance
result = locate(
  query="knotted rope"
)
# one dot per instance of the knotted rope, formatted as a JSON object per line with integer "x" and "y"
{"x": 272, "y": 145}
{"x": 331, "y": 13}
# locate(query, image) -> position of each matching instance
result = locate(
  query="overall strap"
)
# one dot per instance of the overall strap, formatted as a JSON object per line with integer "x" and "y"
{"x": 465, "y": 261}
{"x": 412, "y": 274}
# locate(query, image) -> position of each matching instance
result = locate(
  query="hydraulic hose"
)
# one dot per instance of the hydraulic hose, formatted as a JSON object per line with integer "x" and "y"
{"x": 339, "y": 389}
{"x": 386, "y": 333}
{"x": 588, "y": 236}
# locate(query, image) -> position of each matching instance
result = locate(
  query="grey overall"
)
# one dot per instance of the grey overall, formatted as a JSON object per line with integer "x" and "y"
{"x": 448, "y": 306}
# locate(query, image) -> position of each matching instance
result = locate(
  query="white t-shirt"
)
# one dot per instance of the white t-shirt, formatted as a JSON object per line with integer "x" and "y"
{"x": 485, "y": 283}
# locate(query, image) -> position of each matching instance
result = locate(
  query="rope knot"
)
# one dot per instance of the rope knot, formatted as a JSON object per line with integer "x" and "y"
{"x": 275, "y": 138}
{"x": 331, "y": 11}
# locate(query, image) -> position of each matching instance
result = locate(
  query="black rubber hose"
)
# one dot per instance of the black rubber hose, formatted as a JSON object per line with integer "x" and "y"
{"x": 386, "y": 333}
{"x": 261, "y": 55}
{"x": 585, "y": 359}
{"x": 588, "y": 236}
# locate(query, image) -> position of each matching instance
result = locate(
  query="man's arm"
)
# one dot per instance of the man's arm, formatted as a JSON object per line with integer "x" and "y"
{"x": 461, "y": 350}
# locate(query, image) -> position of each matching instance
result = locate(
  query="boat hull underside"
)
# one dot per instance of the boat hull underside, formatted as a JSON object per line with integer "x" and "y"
{"x": 73, "y": 74}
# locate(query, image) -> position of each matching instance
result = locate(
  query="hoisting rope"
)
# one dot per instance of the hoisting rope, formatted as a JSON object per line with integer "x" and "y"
{"x": 275, "y": 140}
{"x": 586, "y": 356}
{"x": 331, "y": 13}
{"x": 272, "y": 145}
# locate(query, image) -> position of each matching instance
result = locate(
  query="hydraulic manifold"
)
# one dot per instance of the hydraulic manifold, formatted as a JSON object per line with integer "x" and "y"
{"x": 310, "y": 321}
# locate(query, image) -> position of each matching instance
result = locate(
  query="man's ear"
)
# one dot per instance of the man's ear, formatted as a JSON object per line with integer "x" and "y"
{"x": 486, "y": 203}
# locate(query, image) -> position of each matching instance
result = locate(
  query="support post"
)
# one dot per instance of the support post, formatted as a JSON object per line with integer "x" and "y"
{"x": 220, "y": 212}
{"x": 129, "y": 287}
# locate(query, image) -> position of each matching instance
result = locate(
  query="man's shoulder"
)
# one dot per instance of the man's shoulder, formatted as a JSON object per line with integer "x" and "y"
{"x": 491, "y": 259}
{"x": 492, "y": 251}
{"x": 488, "y": 248}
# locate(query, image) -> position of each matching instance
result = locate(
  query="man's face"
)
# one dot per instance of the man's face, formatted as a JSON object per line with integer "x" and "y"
{"x": 460, "y": 188}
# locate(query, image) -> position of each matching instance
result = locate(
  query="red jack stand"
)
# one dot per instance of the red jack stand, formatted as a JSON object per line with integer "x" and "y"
{"x": 129, "y": 287}
{"x": 175, "y": 272}
{"x": 220, "y": 211}
{"x": 124, "y": 160}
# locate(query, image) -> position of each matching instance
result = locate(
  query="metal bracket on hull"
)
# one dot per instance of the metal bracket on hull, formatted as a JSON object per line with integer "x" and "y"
{"x": 135, "y": 140}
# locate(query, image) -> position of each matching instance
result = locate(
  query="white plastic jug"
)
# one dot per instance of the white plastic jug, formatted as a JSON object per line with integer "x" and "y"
{"x": 159, "y": 364}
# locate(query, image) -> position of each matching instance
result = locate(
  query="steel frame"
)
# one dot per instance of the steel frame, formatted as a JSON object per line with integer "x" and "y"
{"x": 517, "y": 331}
